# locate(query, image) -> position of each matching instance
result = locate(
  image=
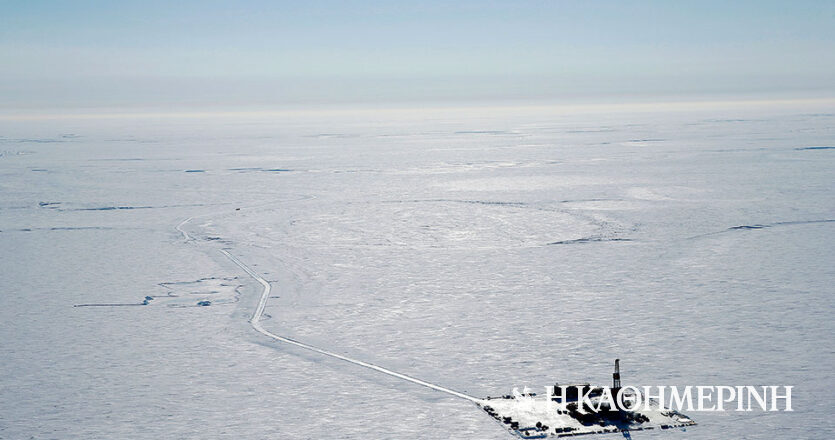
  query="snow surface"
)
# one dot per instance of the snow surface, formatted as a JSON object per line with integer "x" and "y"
{"x": 473, "y": 249}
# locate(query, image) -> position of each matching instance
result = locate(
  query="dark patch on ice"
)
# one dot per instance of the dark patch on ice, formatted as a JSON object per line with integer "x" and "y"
{"x": 40, "y": 170}
{"x": 113, "y": 208}
{"x": 110, "y": 305}
{"x": 51, "y": 205}
{"x": 787, "y": 223}
{"x": 589, "y": 200}
{"x": 264, "y": 170}
{"x": 195, "y": 171}
{"x": 65, "y": 228}
{"x": 814, "y": 148}
{"x": 646, "y": 140}
{"x": 35, "y": 140}
{"x": 130, "y": 207}
{"x": 589, "y": 240}
{"x": 749, "y": 227}
{"x": 62, "y": 228}
{"x": 79, "y": 228}
{"x": 765, "y": 226}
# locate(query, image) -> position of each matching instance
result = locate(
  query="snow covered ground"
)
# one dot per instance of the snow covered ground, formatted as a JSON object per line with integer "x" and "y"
{"x": 477, "y": 249}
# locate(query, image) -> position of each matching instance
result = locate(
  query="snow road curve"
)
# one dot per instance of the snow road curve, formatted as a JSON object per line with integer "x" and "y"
{"x": 255, "y": 321}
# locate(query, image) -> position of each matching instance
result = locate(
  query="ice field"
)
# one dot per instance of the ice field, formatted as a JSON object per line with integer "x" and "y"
{"x": 479, "y": 249}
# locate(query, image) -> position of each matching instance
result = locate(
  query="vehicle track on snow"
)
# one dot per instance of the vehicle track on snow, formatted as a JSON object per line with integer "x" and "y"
{"x": 257, "y": 314}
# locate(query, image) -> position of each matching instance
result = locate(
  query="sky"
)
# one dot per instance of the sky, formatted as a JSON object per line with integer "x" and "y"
{"x": 211, "y": 53}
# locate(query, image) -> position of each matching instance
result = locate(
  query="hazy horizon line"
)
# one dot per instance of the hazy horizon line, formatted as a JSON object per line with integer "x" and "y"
{"x": 587, "y": 106}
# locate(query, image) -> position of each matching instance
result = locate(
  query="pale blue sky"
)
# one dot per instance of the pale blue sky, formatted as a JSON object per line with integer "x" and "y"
{"x": 90, "y": 53}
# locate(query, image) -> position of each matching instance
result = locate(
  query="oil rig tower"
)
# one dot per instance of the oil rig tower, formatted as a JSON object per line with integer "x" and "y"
{"x": 616, "y": 378}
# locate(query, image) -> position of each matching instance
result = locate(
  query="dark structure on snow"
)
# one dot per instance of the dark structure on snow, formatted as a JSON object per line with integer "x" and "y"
{"x": 616, "y": 378}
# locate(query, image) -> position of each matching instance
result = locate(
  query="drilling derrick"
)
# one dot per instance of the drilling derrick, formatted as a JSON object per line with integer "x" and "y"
{"x": 616, "y": 378}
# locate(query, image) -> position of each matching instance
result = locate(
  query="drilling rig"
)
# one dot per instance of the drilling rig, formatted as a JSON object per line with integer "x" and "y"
{"x": 616, "y": 379}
